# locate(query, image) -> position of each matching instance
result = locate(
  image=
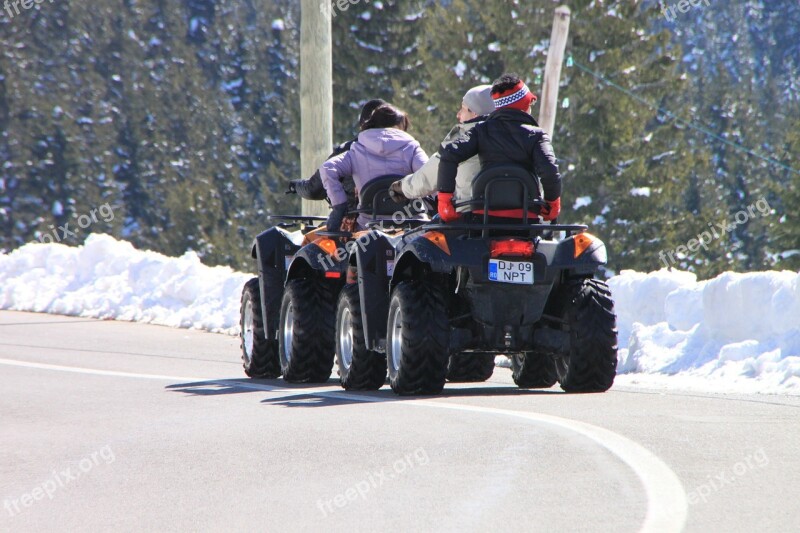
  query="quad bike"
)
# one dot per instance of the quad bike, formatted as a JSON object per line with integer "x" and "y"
{"x": 431, "y": 302}
{"x": 440, "y": 301}
{"x": 273, "y": 250}
{"x": 288, "y": 311}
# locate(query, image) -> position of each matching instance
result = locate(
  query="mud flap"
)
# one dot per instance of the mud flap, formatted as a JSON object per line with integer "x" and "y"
{"x": 375, "y": 266}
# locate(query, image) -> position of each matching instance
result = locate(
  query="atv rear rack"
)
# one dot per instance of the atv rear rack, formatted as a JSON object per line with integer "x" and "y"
{"x": 485, "y": 228}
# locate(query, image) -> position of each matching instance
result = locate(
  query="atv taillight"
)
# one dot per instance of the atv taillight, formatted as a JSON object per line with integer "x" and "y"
{"x": 511, "y": 247}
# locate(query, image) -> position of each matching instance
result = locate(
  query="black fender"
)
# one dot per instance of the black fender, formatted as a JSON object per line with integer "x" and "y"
{"x": 272, "y": 250}
{"x": 313, "y": 261}
{"x": 375, "y": 266}
{"x": 561, "y": 256}
{"x": 420, "y": 253}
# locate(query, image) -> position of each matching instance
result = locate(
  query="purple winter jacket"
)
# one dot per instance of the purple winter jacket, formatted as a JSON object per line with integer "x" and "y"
{"x": 378, "y": 152}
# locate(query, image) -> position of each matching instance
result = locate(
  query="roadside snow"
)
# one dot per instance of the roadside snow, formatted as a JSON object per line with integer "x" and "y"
{"x": 735, "y": 333}
{"x": 106, "y": 278}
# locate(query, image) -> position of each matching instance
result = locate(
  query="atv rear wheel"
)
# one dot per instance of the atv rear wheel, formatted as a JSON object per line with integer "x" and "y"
{"x": 417, "y": 338}
{"x": 305, "y": 338}
{"x": 533, "y": 370}
{"x": 259, "y": 355}
{"x": 468, "y": 367}
{"x": 591, "y": 364}
{"x": 359, "y": 368}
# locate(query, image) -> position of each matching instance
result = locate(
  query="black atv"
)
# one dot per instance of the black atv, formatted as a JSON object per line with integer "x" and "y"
{"x": 442, "y": 300}
{"x": 288, "y": 312}
{"x": 274, "y": 250}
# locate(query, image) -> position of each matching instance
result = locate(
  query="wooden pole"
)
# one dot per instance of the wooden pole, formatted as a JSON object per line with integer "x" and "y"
{"x": 316, "y": 92}
{"x": 552, "y": 71}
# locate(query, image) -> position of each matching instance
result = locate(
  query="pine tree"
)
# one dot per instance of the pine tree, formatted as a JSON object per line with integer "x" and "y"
{"x": 183, "y": 116}
{"x": 374, "y": 56}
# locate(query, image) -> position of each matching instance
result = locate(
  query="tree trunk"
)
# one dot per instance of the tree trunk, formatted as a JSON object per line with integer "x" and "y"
{"x": 316, "y": 92}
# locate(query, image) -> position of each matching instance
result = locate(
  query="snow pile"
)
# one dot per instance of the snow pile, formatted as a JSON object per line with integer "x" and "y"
{"x": 737, "y": 332}
{"x": 106, "y": 278}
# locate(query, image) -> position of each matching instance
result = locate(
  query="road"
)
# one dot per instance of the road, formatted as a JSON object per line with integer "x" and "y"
{"x": 129, "y": 427}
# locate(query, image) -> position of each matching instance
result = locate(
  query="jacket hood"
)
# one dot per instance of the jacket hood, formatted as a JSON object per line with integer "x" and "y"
{"x": 384, "y": 141}
{"x": 513, "y": 115}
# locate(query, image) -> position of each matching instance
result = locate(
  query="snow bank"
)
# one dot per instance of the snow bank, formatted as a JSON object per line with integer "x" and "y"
{"x": 738, "y": 332}
{"x": 735, "y": 333}
{"x": 106, "y": 278}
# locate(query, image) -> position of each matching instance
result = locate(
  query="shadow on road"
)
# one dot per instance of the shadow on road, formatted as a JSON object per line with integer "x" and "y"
{"x": 329, "y": 394}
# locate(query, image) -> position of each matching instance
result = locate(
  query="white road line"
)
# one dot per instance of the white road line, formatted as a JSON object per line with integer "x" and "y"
{"x": 666, "y": 498}
{"x": 92, "y": 371}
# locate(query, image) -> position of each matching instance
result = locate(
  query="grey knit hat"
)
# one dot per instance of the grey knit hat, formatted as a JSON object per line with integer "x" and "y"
{"x": 479, "y": 100}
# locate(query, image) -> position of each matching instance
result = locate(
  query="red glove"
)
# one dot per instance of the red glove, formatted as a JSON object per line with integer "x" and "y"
{"x": 445, "y": 207}
{"x": 552, "y": 210}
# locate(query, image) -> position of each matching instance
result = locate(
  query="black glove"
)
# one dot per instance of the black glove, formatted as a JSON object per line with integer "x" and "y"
{"x": 338, "y": 212}
{"x": 396, "y": 192}
{"x": 292, "y": 187}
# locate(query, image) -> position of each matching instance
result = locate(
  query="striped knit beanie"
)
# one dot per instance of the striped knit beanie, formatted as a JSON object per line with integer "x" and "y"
{"x": 518, "y": 97}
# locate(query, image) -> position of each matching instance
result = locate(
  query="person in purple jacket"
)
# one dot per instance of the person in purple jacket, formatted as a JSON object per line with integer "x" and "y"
{"x": 383, "y": 148}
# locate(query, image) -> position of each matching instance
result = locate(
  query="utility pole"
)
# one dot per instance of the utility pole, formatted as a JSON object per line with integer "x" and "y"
{"x": 316, "y": 92}
{"x": 552, "y": 71}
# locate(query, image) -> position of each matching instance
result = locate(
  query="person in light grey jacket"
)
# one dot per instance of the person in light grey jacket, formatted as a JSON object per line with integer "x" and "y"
{"x": 477, "y": 103}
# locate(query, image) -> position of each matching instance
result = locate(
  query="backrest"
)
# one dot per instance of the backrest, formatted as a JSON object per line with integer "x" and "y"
{"x": 503, "y": 187}
{"x": 374, "y": 197}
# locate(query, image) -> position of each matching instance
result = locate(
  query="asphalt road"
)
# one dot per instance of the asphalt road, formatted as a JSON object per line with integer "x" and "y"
{"x": 129, "y": 427}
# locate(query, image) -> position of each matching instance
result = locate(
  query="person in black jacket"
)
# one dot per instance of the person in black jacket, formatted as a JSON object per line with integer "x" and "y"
{"x": 312, "y": 189}
{"x": 510, "y": 135}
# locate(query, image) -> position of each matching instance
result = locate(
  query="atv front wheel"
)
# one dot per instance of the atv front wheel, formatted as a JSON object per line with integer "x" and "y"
{"x": 591, "y": 364}
{"x": 259, "y": 355}
{"x": 469, "y": 367}
{"x": 305, "y": 338}
{"x": 418, "y": 336}
{"x": 359, "y": 368}
{"x": 533, "y": 370}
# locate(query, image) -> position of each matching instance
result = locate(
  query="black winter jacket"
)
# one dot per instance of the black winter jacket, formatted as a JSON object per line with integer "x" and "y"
{"x": 312, "y": 188}
{"x": 507, "y": 136}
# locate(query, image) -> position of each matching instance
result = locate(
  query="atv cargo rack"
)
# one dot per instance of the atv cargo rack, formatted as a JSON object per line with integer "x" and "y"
{"x": 570, "y": 229}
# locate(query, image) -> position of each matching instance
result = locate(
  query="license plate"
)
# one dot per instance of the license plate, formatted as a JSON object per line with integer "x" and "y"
{"x": 519, "y": 272}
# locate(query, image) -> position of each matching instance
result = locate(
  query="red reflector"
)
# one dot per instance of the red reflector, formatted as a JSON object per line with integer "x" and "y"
{"x": 333, "y": 274}
{"x": 511, "y": 247}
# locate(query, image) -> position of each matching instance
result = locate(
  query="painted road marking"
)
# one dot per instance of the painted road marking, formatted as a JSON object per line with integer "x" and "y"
{"x": 667, "y": 506}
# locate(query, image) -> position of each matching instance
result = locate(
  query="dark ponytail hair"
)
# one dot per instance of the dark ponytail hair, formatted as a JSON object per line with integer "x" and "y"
{"x": 505, "y": 82}
{"x": 368, "y": 108}
{"x": 387, "y": 116}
